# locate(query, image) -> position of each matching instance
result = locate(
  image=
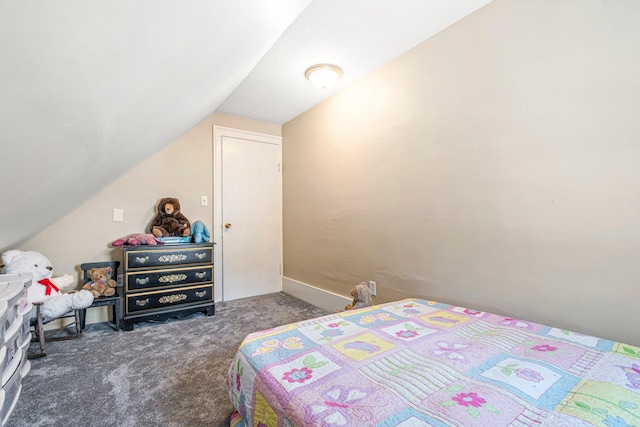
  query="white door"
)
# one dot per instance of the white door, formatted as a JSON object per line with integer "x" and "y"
{"x": 250, "y": 215}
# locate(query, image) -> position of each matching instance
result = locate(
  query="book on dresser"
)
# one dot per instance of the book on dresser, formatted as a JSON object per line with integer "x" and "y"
{"x": 167, "y": 281}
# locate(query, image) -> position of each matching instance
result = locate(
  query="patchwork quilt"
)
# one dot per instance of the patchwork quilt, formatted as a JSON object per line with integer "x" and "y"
{"x": 422, "y": 363}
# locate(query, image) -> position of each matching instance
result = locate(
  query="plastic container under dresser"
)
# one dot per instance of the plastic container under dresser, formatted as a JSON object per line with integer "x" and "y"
{"x": 15, "y": 336}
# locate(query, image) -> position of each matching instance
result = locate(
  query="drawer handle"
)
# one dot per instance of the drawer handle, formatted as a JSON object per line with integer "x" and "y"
{"x": 142, "y": 302}
{"x": 141, "y": 281}
{"x": 200, "y": 275}
{"x": 11, "y": 351}
{"x": 170, "y": 299}
{"x": 201, "y": 256}
{"x": 201, "y": 294}
{"x": 142, "y": 260}
{"x": 172, "y": 258}
{"x": 171, "y": 278}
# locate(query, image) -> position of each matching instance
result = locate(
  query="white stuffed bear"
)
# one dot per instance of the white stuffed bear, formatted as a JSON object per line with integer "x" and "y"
{"x": 44, "y": 287}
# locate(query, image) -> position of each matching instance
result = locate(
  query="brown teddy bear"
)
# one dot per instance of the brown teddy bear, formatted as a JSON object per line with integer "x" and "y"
{"x": 361, "y": 297}
{"x": 101, "y": 282}
{"x": 169, "y": 221}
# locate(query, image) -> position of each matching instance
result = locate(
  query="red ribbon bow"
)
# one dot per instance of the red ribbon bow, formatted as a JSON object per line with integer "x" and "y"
{"x": 49, "y": 285}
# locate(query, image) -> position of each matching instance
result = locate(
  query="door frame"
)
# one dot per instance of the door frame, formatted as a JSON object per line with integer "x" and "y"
{"x": 219, "y": 132}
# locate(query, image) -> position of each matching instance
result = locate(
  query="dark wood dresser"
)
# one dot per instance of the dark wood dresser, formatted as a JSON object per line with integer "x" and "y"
{"x": 167, "y": 281}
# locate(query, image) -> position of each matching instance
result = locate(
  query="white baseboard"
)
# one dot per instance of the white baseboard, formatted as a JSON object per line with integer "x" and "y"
{"x": 314, "y": 296}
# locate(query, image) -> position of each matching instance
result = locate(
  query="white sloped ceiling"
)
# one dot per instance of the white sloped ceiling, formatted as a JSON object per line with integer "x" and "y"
{"x": 89, "y": 89}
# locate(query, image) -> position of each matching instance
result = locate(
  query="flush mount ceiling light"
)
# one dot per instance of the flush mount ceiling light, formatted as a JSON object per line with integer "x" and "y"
{"x": 323, "y": 75}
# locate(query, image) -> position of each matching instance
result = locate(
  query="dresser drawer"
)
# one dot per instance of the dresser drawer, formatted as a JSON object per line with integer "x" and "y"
{"x": 145, "y": 258}
{"x": 159, "y": 278}
{"x": 143, "y": 301}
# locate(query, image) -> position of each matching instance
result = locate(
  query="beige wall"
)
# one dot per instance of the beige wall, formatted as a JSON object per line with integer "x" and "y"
{"x": 183, "y": 169}
{"x": 494, "y": 166}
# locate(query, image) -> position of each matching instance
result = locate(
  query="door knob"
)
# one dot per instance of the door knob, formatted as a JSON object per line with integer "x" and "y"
{"x": 227, "y": 225}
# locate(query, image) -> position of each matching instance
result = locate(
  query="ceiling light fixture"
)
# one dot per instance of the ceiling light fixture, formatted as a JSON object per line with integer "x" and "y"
{"x": 323, "y": 75}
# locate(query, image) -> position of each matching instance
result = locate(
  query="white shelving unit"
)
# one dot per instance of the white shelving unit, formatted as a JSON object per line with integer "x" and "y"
{"x": 15, "y": 336}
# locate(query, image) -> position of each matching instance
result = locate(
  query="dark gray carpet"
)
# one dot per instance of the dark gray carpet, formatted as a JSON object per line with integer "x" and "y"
{"x": 160, "y": 374}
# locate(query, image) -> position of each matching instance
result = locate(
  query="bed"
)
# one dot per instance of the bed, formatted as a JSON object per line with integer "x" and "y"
{"x": 423, "y": 363}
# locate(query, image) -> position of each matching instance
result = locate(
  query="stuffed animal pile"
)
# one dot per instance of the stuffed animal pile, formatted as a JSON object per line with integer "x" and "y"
{"x": 169, "y": 221}
{"x": 101, "y": 283}
{"x": 44, "y": 288}
{"x": 361, "y": 297}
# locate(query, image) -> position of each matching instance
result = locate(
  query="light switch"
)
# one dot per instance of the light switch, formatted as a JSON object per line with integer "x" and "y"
{"x": 204, "y": 201}
{"x": 118, "y": 214}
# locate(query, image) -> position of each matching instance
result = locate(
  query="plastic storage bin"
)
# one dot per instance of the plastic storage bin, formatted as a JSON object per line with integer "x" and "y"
{"x": 15, "y": 336}
{"x": 13, "y": 387}
{"x": 13, "y": 290}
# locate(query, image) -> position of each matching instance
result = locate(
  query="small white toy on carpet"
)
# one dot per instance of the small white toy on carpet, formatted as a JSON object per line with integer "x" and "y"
{"x": 45, "y": 289}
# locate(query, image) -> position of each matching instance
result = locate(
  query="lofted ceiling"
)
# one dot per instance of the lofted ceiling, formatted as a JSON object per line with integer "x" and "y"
{"x": 85, "y": 84}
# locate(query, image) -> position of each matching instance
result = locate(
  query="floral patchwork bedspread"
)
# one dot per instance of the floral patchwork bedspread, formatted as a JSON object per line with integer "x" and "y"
{"x": 422, "y": 363}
